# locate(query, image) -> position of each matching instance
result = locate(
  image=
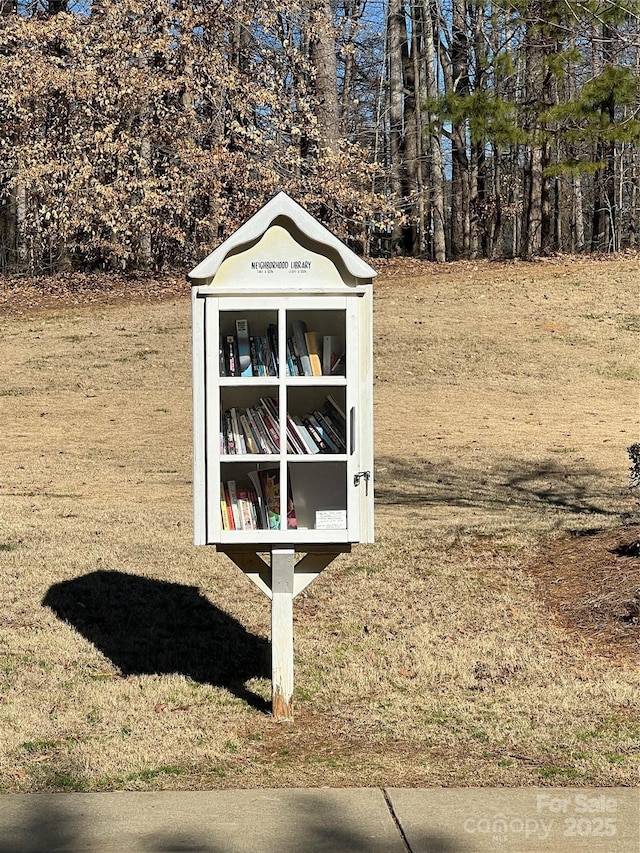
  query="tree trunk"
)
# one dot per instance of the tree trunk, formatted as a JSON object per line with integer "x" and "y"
{"x": 460, "y": 226}
{"x": 435, "y": 144}
{"x": 396, "y": 28}
{"x": 8, "y": 209}
{"x": 412, "y": 142}
{"x": 322, "y": 51}
{"x": 532, "y": 223}
{"x": 549, "y": 97}
{"x": 21, "y": 222}
{"x": 604, "y": 209}
{"x": 532, "y": 220}
{"x": 634, "y": 191}
{"x": 576, "y": 215}
{"x": 353, "y": 13}
{"x": 496, "y": 230}
{"x": 479, "y": 213}
{"x": 634, "y": 199}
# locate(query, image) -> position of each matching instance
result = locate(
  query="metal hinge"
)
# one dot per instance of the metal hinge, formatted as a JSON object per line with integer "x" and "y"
{"x": 362, "y": 475}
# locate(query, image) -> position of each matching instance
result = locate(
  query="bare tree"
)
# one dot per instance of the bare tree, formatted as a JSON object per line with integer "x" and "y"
{"x": 434, "y": 131}
{"x": 323, "y": 60}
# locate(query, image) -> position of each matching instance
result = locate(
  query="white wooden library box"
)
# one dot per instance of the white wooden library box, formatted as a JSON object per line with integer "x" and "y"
{"x": 283, "y": 387}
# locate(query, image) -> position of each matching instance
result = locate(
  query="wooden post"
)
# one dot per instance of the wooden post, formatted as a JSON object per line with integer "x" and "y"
{"x": 282, "y": 562}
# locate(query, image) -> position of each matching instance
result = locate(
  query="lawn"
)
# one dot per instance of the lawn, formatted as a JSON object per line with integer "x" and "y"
{"x": 487, "y": 638}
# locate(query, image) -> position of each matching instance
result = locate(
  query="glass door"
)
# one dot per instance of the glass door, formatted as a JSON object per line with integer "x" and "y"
{"x": 281, "y": 421}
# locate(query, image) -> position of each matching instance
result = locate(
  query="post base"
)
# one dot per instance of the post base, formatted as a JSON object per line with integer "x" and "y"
{"x": 282, "y": 710}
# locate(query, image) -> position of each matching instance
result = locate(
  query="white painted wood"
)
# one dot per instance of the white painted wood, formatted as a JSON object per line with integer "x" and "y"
{"x": 365, "y": 435}
{"x": 211, "y": 416}
{"x": 253, "y": 566}
{"x": 306, "y": 229}
{"x": 283, "y": 289}
{"x": 277, "y": 294}
{"x": 242, "y": 301}
{"x": 279, "y": 264}
{"x": 276, "y": 260}
{"x": 282, "y": 572}
{"x": 298, "y": 538}
{"x": 356, "y": 403}
{"x": 199, "y": 458}
{"x": 309, "y": 567}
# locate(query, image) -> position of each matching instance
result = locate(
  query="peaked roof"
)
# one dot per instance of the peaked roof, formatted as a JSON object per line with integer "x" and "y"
{"x": 282, "y": 205}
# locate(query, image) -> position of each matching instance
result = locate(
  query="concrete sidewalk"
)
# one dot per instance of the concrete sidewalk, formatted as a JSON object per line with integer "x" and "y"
{"x": 325, "y": 820}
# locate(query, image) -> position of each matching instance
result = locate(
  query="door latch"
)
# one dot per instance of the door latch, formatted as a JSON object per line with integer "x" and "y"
{"x": 362, "y": 475}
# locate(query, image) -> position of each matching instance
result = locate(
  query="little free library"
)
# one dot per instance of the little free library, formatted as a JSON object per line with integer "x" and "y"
{"x": 282, "y": 408}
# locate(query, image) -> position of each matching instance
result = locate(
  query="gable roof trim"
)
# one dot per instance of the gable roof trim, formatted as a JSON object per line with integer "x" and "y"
{"x": 258, "y": 224}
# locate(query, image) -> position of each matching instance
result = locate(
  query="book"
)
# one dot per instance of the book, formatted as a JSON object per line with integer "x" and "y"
{"x": 272, "y": 340}
{"x": 222, "y": 365}
{"x": 271, "y": 405}
{"x": 267, "y": 356}
{"x": 268, "y": 434}
{"x": 263, "y": 522}
{"x": 270, "y": 482}
{"x": 255, "y": 363}
{"x": 249, "y": 438}
{"x": 294, "y": 440}
{"x": 231, "y": 356}
{"x": 315, "y": 435}
{"x": 323, "y": 433}
{"x": 257, "y": 432}
{"x": 292, "y": 367}
{"x": 253, "y": 509}
{"x": 297, "y": 364}
{"x": 227, "y": 500}
{"x": 227, "y": 426}
{"x": 312, "y": 447}
{"x": 244, "y": 348}
{"x": 335, "y": 423}
{"x": 334, "y": 405}
{"x": 233, "y": 502}
{"x": 314, "y": 348}
{"x": 260, "y": 356}
{"x": 223, "y": 508}
{"x": 299, "y": 328}
{"x": 271, "y": 417}
{"x": 340, "y": 366}
{"x": 244, "y": 508}
{"x": 331, "y": 352}
{"x": 238, "y": 435}
{"x": 329, "y": 432}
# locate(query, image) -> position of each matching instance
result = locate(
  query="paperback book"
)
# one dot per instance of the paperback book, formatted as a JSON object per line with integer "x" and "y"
{"x": 257, "y": 507}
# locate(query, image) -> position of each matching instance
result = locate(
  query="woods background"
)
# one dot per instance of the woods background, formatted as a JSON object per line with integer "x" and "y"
{"x": 137, "y": 134}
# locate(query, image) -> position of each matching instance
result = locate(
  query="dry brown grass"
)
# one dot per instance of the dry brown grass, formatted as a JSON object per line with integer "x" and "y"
{"x": 505, "y": 398}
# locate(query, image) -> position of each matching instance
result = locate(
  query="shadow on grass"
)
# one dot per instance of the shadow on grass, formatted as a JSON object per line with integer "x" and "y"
{"x": 147, "y": 626}
{"x": 571, "y": 488}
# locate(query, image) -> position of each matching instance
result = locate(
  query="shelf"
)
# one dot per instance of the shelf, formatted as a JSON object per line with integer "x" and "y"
{"x": 266, "y": 458}
{"x": 317, "y": 457}
{"x": 271, "y": 458}
{"x": 261, "y": 381}
{"x": 247, "y": 381}
{"x": 268, "y": 538}
{"x": 316, "y": 380}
